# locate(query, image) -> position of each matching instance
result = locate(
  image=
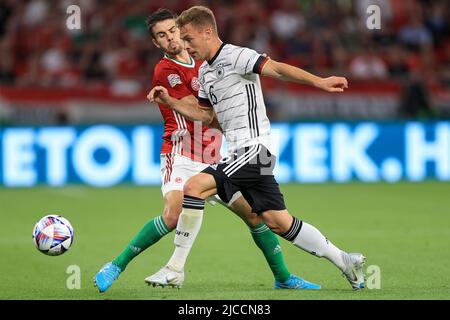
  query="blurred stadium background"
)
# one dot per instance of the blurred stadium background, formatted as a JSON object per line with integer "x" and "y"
{"x": 73, "y": 111}
{"x": 50, "y": 74}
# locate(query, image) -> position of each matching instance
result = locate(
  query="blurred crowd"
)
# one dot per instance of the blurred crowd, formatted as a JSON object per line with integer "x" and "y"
{"x": 113, "y": 48}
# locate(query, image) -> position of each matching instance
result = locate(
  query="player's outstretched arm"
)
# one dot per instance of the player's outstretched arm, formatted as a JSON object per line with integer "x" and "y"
{"x": 187, "y": 106}
{"x": 286, "y": 72}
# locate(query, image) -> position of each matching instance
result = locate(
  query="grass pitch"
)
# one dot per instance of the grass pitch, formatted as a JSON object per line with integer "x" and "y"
{"x": 404, "y": 229}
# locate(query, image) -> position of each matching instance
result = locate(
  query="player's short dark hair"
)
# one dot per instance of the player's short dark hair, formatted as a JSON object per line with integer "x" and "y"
{"x": 198, "y": 16}
{"x": 159, "y": 15}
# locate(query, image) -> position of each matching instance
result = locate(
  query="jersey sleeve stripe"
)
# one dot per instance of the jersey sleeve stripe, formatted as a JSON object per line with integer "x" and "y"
{"x": 260, "y": 64}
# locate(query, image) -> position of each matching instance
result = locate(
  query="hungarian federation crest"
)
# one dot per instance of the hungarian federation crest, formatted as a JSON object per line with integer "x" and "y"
{"x": 195, "y": 84}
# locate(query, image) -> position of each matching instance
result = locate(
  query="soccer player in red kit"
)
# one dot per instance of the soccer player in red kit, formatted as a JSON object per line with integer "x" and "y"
{"x": 188, "y": 148}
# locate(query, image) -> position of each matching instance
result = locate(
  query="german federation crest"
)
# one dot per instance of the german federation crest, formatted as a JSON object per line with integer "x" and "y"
{"x": 220, "y": 71}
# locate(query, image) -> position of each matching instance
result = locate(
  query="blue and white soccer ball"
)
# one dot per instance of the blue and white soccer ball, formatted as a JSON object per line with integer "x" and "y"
{"x": 53, "y": 235}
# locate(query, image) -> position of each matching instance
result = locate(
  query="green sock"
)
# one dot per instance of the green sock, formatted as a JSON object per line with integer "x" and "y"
{"x": 268, "y": 242}
{"x": 152, "y": 231}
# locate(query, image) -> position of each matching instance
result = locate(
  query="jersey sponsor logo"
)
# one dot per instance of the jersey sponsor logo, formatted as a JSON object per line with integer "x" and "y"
{"x": 195, "y": 84}
{"x": 178, "y": 180}
{"x": 174, "y": 79}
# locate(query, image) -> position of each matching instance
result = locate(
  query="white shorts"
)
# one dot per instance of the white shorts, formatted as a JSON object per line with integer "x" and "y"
{"x": 177, "y": 169}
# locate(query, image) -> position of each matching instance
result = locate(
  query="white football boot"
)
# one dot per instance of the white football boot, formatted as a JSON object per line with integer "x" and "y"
{"x": 166, "y": 277}
{"x": 354, "y": 271}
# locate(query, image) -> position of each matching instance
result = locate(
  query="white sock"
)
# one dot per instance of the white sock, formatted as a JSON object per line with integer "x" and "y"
{"x": 188, "y": 226}
{"x": 310, "y": 239}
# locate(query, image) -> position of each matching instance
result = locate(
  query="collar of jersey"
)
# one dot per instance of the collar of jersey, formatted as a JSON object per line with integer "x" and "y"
{"x": 189, "y": 65}
{"x": 210, "y": 62}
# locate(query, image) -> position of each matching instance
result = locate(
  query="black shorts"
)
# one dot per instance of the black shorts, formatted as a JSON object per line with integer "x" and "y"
{"x": 250, "y": 171}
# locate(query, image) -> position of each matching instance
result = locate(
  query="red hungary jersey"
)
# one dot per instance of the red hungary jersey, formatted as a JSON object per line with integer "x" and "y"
{"x": 182, "y": 136}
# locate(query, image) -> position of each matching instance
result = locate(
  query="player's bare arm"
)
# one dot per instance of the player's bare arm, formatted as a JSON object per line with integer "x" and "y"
{"x": 286, "y": 72}
{"x": 215, "y": 124}
{"x": 187, "y": 106}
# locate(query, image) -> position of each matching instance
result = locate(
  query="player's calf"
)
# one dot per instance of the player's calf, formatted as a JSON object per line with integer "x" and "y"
{"x": 170, "y": 216}
{"x": 310, "y": 239}
{"x": 173, "y": 205}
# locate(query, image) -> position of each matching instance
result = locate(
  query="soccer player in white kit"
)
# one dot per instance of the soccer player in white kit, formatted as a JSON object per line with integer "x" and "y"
{"x": 187, "y": 149}
{"x": 231, "y": 87}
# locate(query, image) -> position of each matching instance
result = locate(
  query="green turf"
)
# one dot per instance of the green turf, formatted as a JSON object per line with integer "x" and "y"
{"x": 403, "y": 228}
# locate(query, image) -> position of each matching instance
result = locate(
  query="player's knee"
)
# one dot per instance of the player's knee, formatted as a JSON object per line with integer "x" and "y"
{"x": 274, "y": 227}
{"x": 253, "y": 220}
{"x": 190, "y": 189}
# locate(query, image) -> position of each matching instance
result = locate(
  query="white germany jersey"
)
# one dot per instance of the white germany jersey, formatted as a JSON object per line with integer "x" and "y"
{"x": 230, "y": 83}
